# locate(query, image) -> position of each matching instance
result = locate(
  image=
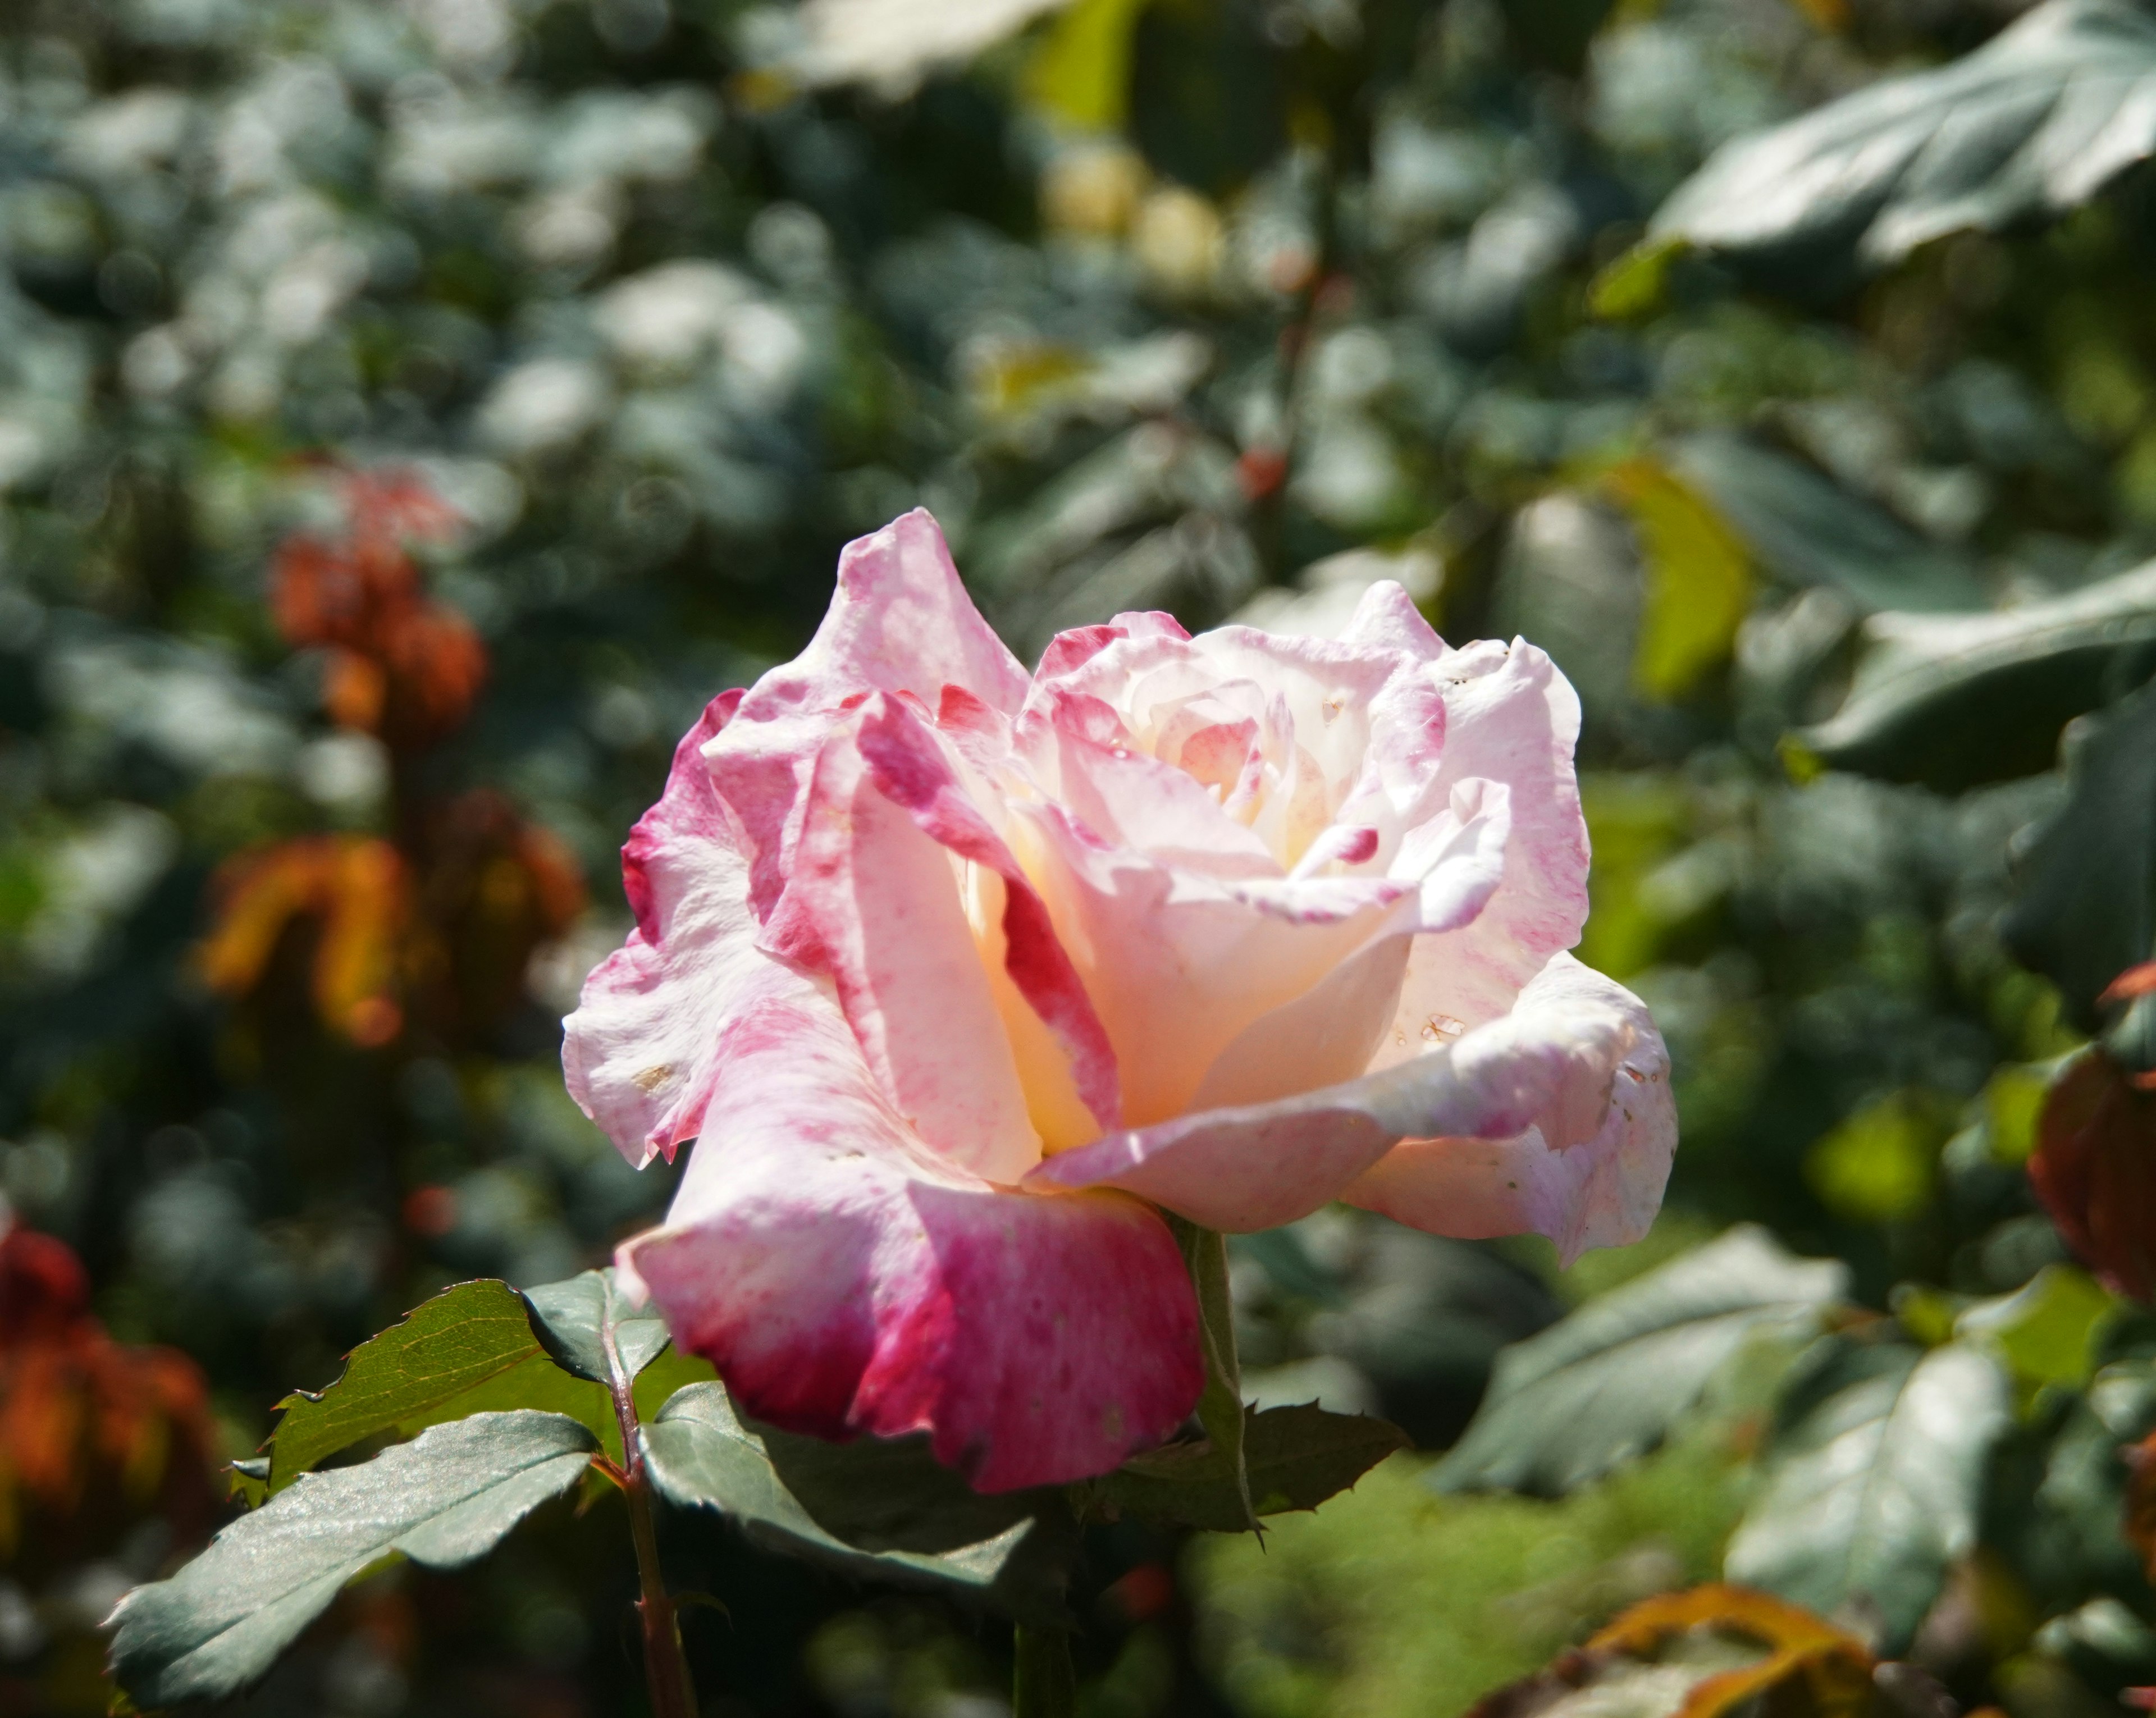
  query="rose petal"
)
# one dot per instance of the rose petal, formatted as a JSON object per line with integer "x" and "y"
{"x": 638, "y": 1053}
{"x": 910, "y": 770}
{"x": 844, "y": 1283}
{"x": 1178, "y": 962}
{"x": 1510, "y": 717}
{"x": 871, "y": 903}
{"x": 1387, "y": 619}
{"x": 900, "y": 622}
{"x": 1548, "y": 1064}
{"x": 1602, "y": 1192}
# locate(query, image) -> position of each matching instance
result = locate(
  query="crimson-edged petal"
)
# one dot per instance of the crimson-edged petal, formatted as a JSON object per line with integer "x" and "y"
{"x": 844, "y": 1281}
{"x": 900, "y": 622}
{"x": 639, "y": 1053}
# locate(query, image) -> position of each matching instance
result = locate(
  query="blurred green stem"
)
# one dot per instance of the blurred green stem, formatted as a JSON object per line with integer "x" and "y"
{"x": 665, "y": 1667}
{"x": 1043, "y": 1684}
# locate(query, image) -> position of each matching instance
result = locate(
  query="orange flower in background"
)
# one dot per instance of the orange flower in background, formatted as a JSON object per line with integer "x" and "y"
{"x": 355, "y": 892}
{"x": 400, "y": 665}
{"x": 444, "y": 933}
{"x": 438, "y": 926}
{"x": 93, "y": 1433}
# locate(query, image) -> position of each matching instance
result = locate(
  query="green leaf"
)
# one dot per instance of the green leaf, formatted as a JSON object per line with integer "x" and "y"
{"x": 1635, "y": 283}
{"x": 1609, "y": 1381}
{"x": 1206, "y": 103}
{"x": 463, "y": 1338}
{"x": 569, "y": 1319}
{"x": 2050, "y": 1331}
{"x": 249, "y": 1483}
{"x": 1699, "y": 582}
{"x": 2033, "y": 123}
{"x": 1953, "y": 701}
{"x": 441, "y": 1500}
{"x": 1294, "y": 1458}
{"x": 878, "y": 1510}
{"x": 1879, "y": 1163}
{"x": 1081, "y": 72}
{"x": 1873, "y": 1492}
{"x": 1220, "y": 1408}
{"x": 2087, "y": 904}
{"x": 1806, "y": 529}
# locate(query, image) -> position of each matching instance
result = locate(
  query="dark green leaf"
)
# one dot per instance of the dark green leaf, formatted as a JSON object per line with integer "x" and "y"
{"x": 1609, "y": 1381}
{"x": 463, "y": 1338}
{"x": 879, "y": 1510}
{"x": 2087, "y": 910}
{"x": 1207, "y": 104}
{"x": 1872, "y": 1494}
{"x": 1808, "y": 530}
{"x": 2035, "y": 123}
{"x": 1954, "y": 701}
{"x": 443, "y": 1500}
{"x": 569, "y": 1319}
{"x": 1295, "y": 1458}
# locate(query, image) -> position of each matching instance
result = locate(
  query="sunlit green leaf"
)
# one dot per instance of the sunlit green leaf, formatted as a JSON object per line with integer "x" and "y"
{"x": 442, "y": 1500}
{"x": 465, "y": 1337}
{"x": 1872, "y": 1493}
{"x": 1698, "y": 579}
{"x": 2036, "y": 122}
{"x": 1953, "y": 701}
{"x": 1610, "y": 1382}
{"x": 1081, "y": 72}
{"x": 1805, "y": 529}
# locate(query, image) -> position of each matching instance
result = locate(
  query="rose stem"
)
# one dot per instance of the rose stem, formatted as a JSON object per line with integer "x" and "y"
{"x": 666, "y": 1668}
{"x": 1043, "y": 1685}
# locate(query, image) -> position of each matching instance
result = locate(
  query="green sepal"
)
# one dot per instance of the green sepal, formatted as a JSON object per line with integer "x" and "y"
{"x": 1293, "y": 1458}
{"x": 569, "y": 1320}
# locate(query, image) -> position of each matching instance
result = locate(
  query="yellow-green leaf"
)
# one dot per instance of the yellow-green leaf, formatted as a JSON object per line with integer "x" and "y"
{"x": 1698, "y": 577}
{"x": 2049, "y": 1330}
{"x": 1081, "y": 72}
{"x": 1879, "y": 1164}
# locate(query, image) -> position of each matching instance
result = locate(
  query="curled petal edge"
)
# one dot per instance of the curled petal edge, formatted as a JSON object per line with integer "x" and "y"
{"x": 1548, "y": 1068}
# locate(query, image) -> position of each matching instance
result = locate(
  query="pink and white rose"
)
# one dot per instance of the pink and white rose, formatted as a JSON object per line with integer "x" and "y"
{"x": 959, "y": 976}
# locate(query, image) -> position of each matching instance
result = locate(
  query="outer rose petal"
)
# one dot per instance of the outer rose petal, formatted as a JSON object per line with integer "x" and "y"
{"x": 639, "y": 1054}
{"x": 842, "y": 1282}
{"x": 1511, "y": 717}
{"x": 900, "y": 622}
{"x": 1602, "y": 1194}
{"x": 1550, "y": 1064}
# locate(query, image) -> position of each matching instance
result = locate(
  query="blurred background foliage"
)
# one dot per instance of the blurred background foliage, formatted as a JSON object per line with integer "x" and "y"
{"x": 411, "y": 413}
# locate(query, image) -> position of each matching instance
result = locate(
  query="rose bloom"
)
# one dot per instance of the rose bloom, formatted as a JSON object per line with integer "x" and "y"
{"x": 960, "y": 977}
